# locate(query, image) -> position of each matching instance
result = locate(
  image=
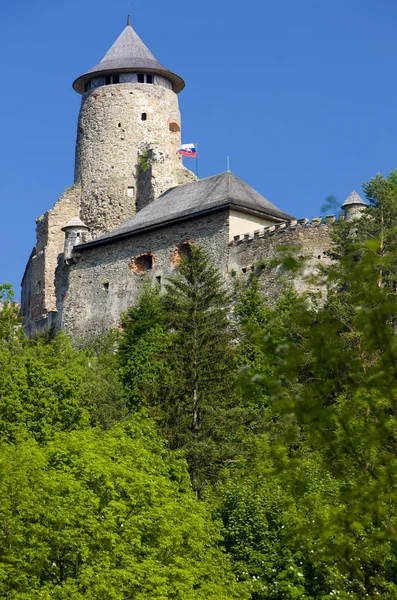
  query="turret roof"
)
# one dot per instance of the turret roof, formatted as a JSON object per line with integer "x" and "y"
{"x": 191, "y": 200}
{"x": 74, "y": 222}
{"x": 354, "y": 198}
{"x": 129, "y": 53}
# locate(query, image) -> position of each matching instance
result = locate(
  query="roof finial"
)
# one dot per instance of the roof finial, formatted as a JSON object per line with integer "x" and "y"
{"x": 128, "y": 21}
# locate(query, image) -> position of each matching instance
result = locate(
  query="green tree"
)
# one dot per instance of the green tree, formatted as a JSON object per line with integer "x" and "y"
{"x": 144, "y": 351}
{"x": 10, "y": 322}
{"x": 333, "y": 390}
{"x": 106, "y": 515}
{"x": 199, "y": 410}
{"x": 196, "y": 305}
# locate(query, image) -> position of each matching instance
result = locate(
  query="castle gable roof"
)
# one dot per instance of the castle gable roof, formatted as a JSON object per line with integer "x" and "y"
{"x": 129, "y": 53}
{"x": 192, "y": 200}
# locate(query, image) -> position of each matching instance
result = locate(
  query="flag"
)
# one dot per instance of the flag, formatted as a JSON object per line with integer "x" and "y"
{"x": 188, "y": 150}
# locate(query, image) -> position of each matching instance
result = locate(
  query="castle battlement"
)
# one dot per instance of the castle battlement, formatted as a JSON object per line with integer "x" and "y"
{"x": 279, "y": 228}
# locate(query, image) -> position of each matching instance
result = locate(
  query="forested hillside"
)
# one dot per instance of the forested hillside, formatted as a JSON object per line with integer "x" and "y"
{"x": 215, "y": 447}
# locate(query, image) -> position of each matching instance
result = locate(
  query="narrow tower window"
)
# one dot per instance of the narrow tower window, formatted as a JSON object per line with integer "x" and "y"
{"x": 143, "y": 116}
{"x": 149, "y": 78}
{"x": 116, "y": 78}
{"x": 130, "y": 191}
{"x": 141, "y": 78}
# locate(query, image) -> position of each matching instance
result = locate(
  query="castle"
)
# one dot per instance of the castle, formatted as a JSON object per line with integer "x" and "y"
{"x": 134, "y": 208}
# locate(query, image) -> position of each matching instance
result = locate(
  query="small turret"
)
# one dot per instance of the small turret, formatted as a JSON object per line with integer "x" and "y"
{"x": 75, "y": 234}
{"x": 353, "y": 206}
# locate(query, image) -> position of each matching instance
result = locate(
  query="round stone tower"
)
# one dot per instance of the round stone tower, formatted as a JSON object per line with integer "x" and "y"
{"x": 128, "y": 134}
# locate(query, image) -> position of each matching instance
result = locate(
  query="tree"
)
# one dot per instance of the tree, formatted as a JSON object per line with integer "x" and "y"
{"x": 144, "y": 351}
{"x": 196, "y": 413}
{"x": 333, "y": 389}
{"x": 10, "y": 322}
{"x": 106, "y": 515}
{"x": 48, "y": 386}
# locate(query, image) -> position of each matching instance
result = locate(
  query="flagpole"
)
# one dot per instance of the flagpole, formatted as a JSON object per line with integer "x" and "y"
{"x": 197, "y": 170}
{"x": 228, "y": 163}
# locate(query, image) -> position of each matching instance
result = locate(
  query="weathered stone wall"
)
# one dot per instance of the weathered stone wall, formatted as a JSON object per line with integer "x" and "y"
{"x": 253, "y": 255}
{"x": 107, "y": 279}
{"x": 111, "y": 134}
{"x": 38, "y": 286}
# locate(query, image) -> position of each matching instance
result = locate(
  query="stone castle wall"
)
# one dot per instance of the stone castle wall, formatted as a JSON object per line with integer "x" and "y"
{"x": 38, "y": 285}
{"x": 106, "y": 279}
{"x": 111, "y": 134}
{"x": 109, "y": 278}
{"x": 254, "y": 254}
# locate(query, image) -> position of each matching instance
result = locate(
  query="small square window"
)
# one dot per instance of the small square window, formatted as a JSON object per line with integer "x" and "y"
{"x": 149, "y": 78}
{"x": 141, "y": 78}
{"x": 116, "y": 78}
{"x": 143, "y": 116}
{"x": 108, "y": 79}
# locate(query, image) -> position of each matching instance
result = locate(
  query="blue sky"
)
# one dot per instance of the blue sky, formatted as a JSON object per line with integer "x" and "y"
{"x": 301, "y": 95}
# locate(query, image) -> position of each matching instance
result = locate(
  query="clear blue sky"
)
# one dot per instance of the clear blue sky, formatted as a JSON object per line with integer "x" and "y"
{"x": 301, "y": 94}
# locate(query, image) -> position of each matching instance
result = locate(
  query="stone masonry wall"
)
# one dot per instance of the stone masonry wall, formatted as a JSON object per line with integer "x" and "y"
{"x": 107, "y": 279}
{"x": 252, "y": 254}
{"x": 38, "y": 286}
{"x": 111, "y": 134}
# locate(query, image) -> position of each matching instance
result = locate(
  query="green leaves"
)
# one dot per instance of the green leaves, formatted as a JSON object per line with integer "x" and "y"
{"x": 97, "y": 515}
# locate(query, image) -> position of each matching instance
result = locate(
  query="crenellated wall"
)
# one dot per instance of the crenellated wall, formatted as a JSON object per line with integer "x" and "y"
{"x": 254, "y": 254}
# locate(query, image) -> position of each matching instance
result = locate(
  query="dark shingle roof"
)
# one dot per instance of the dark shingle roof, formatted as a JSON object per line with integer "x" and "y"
{"x": 129, "y": 53}
{"x": 187, "y": 201}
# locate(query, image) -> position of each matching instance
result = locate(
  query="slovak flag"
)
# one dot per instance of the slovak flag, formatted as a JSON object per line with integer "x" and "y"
{"x": 188, "y": 150}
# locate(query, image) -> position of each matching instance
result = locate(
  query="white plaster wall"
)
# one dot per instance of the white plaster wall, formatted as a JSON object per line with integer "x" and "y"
{"x": 240, "y": 223}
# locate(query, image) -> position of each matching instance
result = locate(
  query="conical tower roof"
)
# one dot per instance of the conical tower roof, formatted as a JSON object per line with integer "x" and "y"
{"x": 127, "y": 54}
{"x": 74, "y": 222}
{"x": 354, "y": 199}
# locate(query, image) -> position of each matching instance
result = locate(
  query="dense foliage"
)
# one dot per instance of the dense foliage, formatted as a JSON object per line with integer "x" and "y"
{"x": 216, "y": 448}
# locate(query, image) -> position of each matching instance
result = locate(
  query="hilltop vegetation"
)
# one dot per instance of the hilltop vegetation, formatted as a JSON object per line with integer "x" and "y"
{"x": 197, "y": 456}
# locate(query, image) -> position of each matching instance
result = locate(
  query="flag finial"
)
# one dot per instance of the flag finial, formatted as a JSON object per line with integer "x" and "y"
{"x": 128, "y": 21}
